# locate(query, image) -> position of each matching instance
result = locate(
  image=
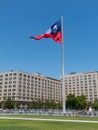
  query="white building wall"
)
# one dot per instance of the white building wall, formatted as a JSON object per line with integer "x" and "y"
{"x": 82, "y": 83}
{"x": 25, "y": 87}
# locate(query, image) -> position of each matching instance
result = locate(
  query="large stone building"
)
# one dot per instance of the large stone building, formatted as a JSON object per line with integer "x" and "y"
{"x": 82, "y": 83}
{"x": 24, "y": 87}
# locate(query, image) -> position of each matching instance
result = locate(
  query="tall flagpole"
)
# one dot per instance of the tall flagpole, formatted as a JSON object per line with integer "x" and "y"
{"x": 63, "y": 85}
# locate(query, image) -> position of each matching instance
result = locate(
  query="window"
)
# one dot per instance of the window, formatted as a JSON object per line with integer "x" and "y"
{"x": 19, "y": 90}
{"x": 5, "y": 90}
{"x": 9, "y": 90}
{"x": 24, "y": 75}
{"x": 14, "y": 89}
{"x": 10, "y": 82}
{"x": 15, "y": 74}
{"x": 28, "y": 76}
{"x": 6, "y": 75}
{"x": 20, "y": 74}
{"x": 10, "y": 74}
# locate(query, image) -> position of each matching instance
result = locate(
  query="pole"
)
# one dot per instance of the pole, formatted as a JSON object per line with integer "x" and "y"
{"x": 63, "y": 85}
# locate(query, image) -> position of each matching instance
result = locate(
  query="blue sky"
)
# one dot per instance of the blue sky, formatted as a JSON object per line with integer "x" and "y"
{"x": 21, "y": 18}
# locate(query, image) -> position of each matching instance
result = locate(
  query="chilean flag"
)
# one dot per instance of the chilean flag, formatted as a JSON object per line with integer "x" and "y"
{"x": 53, "y": 32}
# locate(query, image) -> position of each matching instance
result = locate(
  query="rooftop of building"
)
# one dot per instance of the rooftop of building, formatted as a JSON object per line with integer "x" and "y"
{"x": 34, "y": 74}
{"x": 74, "y": 73}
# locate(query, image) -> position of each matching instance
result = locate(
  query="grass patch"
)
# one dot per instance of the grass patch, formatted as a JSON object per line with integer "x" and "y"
{"x": 54, "y": 117}
{"x": 6, "y": 124}
{"x": 43, "y": 125}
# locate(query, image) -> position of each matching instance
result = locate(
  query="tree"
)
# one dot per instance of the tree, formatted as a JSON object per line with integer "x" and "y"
{"x": 9, "y": 103}
{"x": 59, "y": 105}
{"x": 16, "y": 105}
{"x": 0, "y": 104}
{"x": 95, "y": 104}
{"x": 46, "y": 104}
{"x": 34, "y": 105}
{"x": 81, "y": 102}
{"x": 78, "y": 102}
{"x": 71, "y": 101}
{"x": 52, "y": 104}
{"x": 39, "y": 104}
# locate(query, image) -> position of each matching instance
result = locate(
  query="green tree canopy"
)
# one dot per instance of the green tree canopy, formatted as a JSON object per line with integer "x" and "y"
{"x": 78, "y": 102}
{"x": 9, "y": 103}
{"x": 71, "y": 102}
{"x": 81, "y": 102}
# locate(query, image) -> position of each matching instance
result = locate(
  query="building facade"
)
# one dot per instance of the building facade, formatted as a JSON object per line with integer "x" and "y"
{"x": 82, "y": 83}
{"x": 23, "y": 87}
